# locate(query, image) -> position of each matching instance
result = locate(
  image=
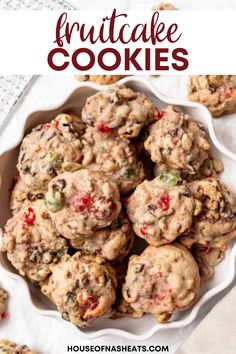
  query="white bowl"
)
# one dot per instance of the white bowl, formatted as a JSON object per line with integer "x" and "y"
{"x": 145, "y": 327}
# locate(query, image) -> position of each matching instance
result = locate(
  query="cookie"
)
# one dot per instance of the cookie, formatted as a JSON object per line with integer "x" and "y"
{"x": 214, "y": 221}
{"x": 3, "y": 304}
{"x": 49, "y": 150}
{"x": 22, "y": 194}
{"x": 82, "y": 288}
{"x": 216, "y": 92}
{"x": 82, "y": 202}
{"x": 207, "y": 258}
{"x": 161, "y": 210}
{"x": 8, "y": 347}
{"x": 121, "y": 307}
{"x": 177, "y": 141}
{"x": 164, "y": 6}
{"x": 32, "y": 243}
{"x": 113, "y": 155}
{"x": 112, "y": 243}
{"x": 100, "y": 79}
{"x": 119, "y": 109}
{"x": 161, "y": 281}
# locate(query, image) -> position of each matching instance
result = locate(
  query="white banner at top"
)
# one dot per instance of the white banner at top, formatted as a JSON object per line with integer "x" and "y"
{"x": 117, "y": 42}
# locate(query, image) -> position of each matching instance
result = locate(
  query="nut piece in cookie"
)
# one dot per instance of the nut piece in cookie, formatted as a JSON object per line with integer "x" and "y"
{"x": 207, "y": 258}
{"x": 161, "y": 281}
{"x": 32, "y": 243}
{"x": 119, "y": 109}
{"x": 216, "y": 92}
{"x": 112, "y": 243}
{"x": 3, "y": 304}
{"x": 49, "y": 150}
{"x": 164, "y": 6}
{"x": 177, "y": 141}
{"x": 214, "y": 221}
{"x": 82, "y": 202}
{"x": 161, "y": 210}
{"x": 100, "y": 79}
{"x": 82, "y": 288}
{"x": 8, "y": 347}
{"x": 113, "y": 155}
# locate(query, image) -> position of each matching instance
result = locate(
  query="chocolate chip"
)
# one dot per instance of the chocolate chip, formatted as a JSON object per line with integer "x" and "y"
{"x": 187, "y": 192}
{"x": 51, "y": 171}
{"x": 174, "y": 132}
{"x": 151, "y": 208}
{"x": 61, "y": 183}
{"x": 139, "y": 268}
{"x": 212, "y": 88}
{"x": 26, "y": 169}
{"x": 22, "y": 158}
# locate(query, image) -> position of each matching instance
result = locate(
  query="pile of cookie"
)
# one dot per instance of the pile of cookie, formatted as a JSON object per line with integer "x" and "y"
{"x": 118, "y": 212}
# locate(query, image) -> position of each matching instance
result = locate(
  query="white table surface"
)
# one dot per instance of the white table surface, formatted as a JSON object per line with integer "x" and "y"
{"x": 50, "y": 336}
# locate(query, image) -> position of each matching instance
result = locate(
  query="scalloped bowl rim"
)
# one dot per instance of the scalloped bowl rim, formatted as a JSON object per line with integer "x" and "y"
{"x": 206, "y": 296}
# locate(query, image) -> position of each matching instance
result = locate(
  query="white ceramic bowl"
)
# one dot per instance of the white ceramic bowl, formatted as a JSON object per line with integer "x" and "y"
{"x": 145, "y": 327}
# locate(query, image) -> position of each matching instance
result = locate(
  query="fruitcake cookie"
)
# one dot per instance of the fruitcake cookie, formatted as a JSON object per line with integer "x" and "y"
{"x": 164, "y": 6}
{"x": 160, "y": 209}
{"x": 82, "y": 202}
{"x": 214, "y": 221}
{"x": 113, "y": 155}
{"x": 82, "y": 288}
{"x": 23, "y": 194}
{"x": 122, "y": 308}
{"x": 216, "y": 92}
{"x": 162, "y": 281}
{"x": 8, "y": 347}
{"x": 177, "y": 141}
{"x": 100, "y": 79}
{"x": 32, "y": 242}
{"x": 207, "y": 258}
{"x": 119, "y": 109}
{"x": 50, "y": 149}
{"x": 3, "y": 304}
{"x": 112, "y": 243}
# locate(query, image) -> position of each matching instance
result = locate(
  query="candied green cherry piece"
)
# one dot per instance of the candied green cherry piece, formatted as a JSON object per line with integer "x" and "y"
{"x": 171, "y": 178}
{"x": 54, "y": 200}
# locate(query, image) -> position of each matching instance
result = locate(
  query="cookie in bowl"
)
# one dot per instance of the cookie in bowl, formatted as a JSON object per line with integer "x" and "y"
{"x": 161, "y": 209}
{"x": 82, "y": 202}
{"x": 214, "y": 222}
{"x": 113, "y": 155}
{"x": 31, "y": 242}
{"x": 49, "y": 150}
{"x": 121, "y": 307}
{"x": 82, "y": 288}
{"x": 216, "y": 92}
{"x": 119, "y": 109}
{"x": 112, "y": 243}
{"x": 161, "y": 281}
{"x": 207, "y": 259}
{"x": 9, "y": 347}
{"x": 177, "y": 141}
{"x": 3, "y": 304}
